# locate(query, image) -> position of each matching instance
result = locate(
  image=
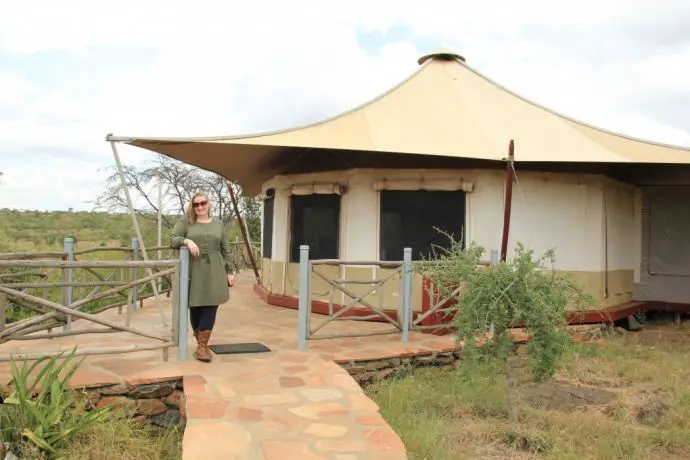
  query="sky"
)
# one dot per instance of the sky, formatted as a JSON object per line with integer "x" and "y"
{"x": 73, "y": 71}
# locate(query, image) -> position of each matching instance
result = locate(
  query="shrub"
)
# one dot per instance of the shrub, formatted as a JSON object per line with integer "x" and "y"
{"x": 522, "y": 291}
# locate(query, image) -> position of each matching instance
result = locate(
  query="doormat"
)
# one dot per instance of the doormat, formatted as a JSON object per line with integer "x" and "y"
{"x": 239, "y": 348}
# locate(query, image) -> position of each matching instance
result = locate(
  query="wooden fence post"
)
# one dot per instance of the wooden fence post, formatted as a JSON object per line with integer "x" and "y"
{"x": 3, "y": 311}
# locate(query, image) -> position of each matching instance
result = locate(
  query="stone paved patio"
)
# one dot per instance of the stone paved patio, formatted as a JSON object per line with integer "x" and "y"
{"x": 280, "y": 405}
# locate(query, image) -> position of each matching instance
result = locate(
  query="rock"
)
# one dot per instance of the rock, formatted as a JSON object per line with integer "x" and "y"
{"x": 11, "y": 456}
{"x": 88, "y": 398}
{"x": 364, "y": 377}
{"x": 150, "y": 407}
{"x": 376, "y": 365}
{"x": 426, "y": 360}
{"x": 383, "y": 373}
{"x": 166, "y": 419}
{"x": 114, "y": 390}
{"x": 633, "y": 324}
{"x": 175, "y": 399}
{"x": 355, "y": 370}
{"x": 119, "y": 402}
{"x": 153, "y": 391}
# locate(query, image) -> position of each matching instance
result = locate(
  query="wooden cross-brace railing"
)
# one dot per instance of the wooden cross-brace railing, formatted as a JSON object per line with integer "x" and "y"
{"x": 438, "y": 307}
{"x": 20, "y": 330}
{"x": 441, "y": 305}
{"x": 404, "y": 313}
{"x": 357, "y": 299}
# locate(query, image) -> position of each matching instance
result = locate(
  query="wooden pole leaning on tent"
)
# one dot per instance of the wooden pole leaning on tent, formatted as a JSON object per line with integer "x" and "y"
{"x": 508, "y": 200}
{"x": 137, "y": 229}
{"x": 243, "y": 230}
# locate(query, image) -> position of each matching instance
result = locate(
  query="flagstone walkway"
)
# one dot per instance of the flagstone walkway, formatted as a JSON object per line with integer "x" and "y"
{"x": 281, "y": 405}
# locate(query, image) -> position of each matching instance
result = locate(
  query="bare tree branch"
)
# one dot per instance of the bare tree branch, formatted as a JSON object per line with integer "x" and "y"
{"x": 181, "y": 181}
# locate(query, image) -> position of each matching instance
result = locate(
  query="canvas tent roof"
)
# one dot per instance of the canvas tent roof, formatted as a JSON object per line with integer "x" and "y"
{"x": 446, "y": 108}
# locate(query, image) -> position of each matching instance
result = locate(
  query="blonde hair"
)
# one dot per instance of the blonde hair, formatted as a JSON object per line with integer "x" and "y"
{"x": 191, "y": 215}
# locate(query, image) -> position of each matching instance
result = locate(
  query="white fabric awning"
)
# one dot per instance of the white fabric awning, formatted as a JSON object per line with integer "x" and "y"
{"x": 445, "y": 109}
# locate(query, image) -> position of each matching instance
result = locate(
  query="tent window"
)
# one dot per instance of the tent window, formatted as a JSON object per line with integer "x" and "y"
{"x": 267, "y": 235}
{"x": 410, "y": 219}
{"x": 315, "y": 221}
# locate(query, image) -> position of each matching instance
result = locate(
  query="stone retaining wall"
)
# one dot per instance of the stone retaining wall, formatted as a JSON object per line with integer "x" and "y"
{"x": 374, "y": 370}
{"x": 161, "y": 404}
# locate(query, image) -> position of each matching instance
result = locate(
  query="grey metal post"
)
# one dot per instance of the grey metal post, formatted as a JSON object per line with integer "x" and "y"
{"x": 494, "y": 256}
{"x": 407, "y": 295}
{"x": 494, "y": 261}
{"x": 304, "y": 298}
{"x": 183, "y": 302}
{"x": 68, "y": 276}
{"x": 135, "y": 271}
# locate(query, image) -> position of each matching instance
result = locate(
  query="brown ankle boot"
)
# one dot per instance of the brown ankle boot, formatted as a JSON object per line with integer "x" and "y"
{"x": 203, "y": 352}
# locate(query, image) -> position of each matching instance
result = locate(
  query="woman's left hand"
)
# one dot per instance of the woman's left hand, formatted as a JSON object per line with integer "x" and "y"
{"x": 231, "y": 280}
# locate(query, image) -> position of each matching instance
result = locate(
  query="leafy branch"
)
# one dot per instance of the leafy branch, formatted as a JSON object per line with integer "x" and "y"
{"x": 525, "y": 291}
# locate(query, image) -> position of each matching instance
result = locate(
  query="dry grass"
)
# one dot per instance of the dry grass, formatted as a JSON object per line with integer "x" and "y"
{"x": 121, "y": 438}
{"x": 124, "y": 439}
{"x": 626, "y": 397}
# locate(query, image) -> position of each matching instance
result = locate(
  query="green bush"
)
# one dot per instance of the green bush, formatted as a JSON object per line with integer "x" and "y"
{"x": 523, "y": 291}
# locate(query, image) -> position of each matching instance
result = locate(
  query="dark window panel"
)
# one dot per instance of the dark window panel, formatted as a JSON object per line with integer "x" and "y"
{"x": 267, "y": 235}
{"x": 411, "y": 219}
{"x": 315, "y": 221}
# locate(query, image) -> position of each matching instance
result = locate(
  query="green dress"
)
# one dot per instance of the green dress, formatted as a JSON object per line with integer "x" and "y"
{"x": 208, "y": 281}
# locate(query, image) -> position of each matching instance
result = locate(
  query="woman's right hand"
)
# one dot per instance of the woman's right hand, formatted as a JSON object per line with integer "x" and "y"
{"x": 193, "y": 248}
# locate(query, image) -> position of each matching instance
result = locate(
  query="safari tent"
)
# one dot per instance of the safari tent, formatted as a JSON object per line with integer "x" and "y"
{"x": 431, "y": 153}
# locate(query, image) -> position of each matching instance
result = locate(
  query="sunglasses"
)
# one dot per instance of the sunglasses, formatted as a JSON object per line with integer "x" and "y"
{"x": 199, "y": 204}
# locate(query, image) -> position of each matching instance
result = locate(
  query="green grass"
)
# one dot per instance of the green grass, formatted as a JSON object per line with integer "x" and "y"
{"x": 39, "y": 231}
{"x": 34, "y": 231}
{"x": 462, "y": 412}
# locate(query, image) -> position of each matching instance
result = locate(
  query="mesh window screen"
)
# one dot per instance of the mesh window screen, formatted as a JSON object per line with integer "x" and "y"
{"x": 410, "y": 219}
{"x": 315, "y": 221}
{"x": 267, "y": 235}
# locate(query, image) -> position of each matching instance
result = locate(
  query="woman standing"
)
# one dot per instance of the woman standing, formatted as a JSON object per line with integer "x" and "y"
{"x": 210, "y": 271}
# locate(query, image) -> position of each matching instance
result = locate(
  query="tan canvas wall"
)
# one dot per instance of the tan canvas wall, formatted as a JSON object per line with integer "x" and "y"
{"x": 567, "y": 212}
{"x": 665, "y": 246}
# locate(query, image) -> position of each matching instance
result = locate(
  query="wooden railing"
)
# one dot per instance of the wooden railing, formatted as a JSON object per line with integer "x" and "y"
{"x": 401, "y": 271}
{"x": 45, "y": 290}
{"x": 442, "y": 301}
{"x": 240, "y": 257}
{"x": 340, "y": 285}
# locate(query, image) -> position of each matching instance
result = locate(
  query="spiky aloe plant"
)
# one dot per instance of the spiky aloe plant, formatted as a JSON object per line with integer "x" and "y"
{"x": 41, "y": 411}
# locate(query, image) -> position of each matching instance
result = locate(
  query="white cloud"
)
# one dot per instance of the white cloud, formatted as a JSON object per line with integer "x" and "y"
{"x": 174, "y": 68}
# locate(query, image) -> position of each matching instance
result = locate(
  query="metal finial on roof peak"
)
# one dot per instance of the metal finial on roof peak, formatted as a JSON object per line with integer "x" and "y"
{"x": 441, "y": 53}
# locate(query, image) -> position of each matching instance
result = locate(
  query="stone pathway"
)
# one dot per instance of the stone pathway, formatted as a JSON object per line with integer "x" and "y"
{"x": 301, "y": 408}
{"x": 280, "y": 405}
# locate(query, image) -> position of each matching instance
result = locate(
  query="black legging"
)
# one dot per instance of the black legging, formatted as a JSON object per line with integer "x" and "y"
{"x": 203, "y": 318}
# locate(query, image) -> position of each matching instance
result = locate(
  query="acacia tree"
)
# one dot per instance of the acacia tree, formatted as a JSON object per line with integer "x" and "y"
{"x": 179, "y": 181}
